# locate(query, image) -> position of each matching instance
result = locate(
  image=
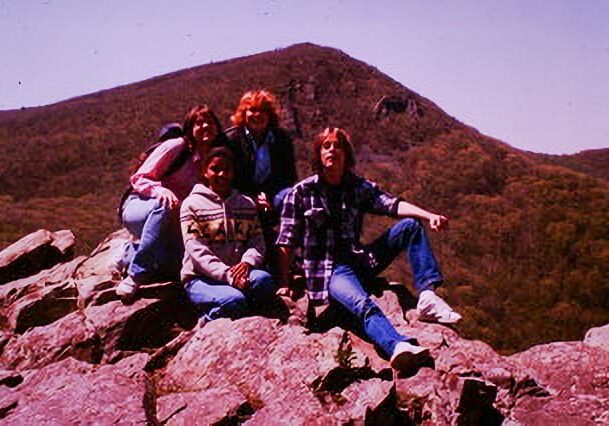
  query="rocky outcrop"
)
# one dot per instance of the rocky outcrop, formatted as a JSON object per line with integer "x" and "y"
{"x": 598, "y": 336}
{"x": 70, "y": 352}
{"x": 397, "y": 104}
{"x": 34, "y": 252}
{"x": 575, "y": 378}
{"x": 40, "y": 299}
{"x": 75, "y": 392}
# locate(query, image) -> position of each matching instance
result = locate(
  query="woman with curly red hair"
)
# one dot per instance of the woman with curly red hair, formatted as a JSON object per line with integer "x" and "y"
{"x": 263, "y": 151}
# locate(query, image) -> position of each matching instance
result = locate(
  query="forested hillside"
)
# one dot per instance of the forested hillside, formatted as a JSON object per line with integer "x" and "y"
{"x": 527, "y": 255}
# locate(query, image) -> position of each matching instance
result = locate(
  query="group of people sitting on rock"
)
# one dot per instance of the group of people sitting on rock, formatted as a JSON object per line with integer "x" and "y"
{"x": 213, "y": 205}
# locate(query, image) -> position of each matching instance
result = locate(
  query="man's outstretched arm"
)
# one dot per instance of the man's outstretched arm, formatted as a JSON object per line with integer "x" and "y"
{"x": 437, "y": 222}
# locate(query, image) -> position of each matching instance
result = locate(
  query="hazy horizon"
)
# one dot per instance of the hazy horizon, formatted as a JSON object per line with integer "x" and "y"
{"x": 531, "y": 74}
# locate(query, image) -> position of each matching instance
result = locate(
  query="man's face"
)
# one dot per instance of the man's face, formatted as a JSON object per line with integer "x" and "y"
{"x": 332, "y": 153}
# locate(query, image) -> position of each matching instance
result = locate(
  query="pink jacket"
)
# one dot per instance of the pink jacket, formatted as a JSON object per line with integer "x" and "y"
{"x": 146, "y": 180}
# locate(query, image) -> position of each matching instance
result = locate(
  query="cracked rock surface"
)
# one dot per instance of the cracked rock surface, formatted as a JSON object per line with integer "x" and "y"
{"x": 71, "y": 352}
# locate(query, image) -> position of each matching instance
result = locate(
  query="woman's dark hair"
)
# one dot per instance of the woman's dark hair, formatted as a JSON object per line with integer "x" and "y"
{"x": 191, "y": 118}
{"x": 345, "y": 141}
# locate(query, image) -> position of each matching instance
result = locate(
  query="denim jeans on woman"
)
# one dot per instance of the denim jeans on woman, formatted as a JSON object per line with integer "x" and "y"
{"x": 217, "y": 299}
{"x": 158, "y": 255}
{"x": 345, "y": 286}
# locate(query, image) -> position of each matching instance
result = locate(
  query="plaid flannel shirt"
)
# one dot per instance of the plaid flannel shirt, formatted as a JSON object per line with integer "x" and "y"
{"x": 305, "y": 223}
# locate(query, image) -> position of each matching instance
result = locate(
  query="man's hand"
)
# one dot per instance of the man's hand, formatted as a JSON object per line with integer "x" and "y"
{"x": 167, "y": 198}
{"x": 285, "y": 292}
{"x": 262, "y": 202}
{"x": 437, "y": 222}
{"x": 240, "y": 275}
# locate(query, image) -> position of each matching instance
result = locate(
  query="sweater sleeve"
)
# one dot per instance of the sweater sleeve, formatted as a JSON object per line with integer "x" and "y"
{"x": 197, "y": 254}
{"x": 256, "y": 248}
{"x": 147, "y": 179}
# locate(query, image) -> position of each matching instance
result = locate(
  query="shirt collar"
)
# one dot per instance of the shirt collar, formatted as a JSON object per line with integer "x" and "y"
{"x": 269, "y": 139}
{"x": 346, "y": 183}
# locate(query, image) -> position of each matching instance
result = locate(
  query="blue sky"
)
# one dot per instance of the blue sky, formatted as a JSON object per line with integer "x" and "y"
{"x": 531, "y": 73}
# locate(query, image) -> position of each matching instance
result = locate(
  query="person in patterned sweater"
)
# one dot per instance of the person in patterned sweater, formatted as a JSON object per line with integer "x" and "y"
{"x": 223, "y": 243}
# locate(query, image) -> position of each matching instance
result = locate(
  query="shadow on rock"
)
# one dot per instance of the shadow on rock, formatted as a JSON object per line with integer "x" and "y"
{"x": 274, "y": 309}
{"x": 476, "y": 405}
{"x": 387, "y": 413}
{"x": 155, "y": 326}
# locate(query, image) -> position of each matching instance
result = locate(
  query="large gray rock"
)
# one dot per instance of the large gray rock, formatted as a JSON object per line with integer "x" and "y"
{"x": 576, "y": 377}
{"x": 209, "y": 407}
{"x": 15, "y": 290}
{"x": 263, "y": 370}
{"x": 35, "y": 252}
{"x": 598, "y": 336}
{"x": 259, "y": 362}
{"x": 40, "y": 346}
{"x": 43, "y": 306}
{"x": 74, "y": 392}
{"x": 144, "y": 325}
{"x": 40, "y": 299}
{"x": 98, "y": 262}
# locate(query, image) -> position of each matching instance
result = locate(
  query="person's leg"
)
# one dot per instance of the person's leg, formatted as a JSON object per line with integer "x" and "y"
{"x": 345, "y": 288}
{"x": 135, "y": 213}
{"x": 154, "y": 225}
{"x": 171, "y": 263}
{"x": 408, "y": 236}
{"x": 262, "y": 287}
{"x": 121, "y": 256}
{"x": 216, "y": 299}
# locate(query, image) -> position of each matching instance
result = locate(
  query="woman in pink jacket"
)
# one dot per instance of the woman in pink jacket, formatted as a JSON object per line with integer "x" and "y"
{"x": 151, "y": 212}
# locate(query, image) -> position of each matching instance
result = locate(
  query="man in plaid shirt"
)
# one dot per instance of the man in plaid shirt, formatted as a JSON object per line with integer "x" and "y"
{"x": 323, "y": 216}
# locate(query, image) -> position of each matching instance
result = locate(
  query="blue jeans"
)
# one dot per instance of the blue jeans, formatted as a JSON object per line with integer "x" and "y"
{"x": 160, "y": 249}
{"x": 345, "y": 286}
{"x": 221, "y": 300}
{"x": 407, "y": 236}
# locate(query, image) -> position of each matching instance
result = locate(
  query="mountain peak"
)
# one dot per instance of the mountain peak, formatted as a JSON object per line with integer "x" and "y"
{"x": 519, "y": 225}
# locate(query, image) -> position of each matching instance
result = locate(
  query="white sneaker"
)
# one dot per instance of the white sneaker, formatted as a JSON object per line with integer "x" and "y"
{"x": 127, "y": 288}
{"x": 407, "y": 356}
{"x": 117, "y": 264}
{"x": 202, "y": 321}
{"x": 432, "y": 308}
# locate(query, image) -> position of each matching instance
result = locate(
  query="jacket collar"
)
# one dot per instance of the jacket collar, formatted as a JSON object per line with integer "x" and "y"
{"x": 269, "y": 139}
